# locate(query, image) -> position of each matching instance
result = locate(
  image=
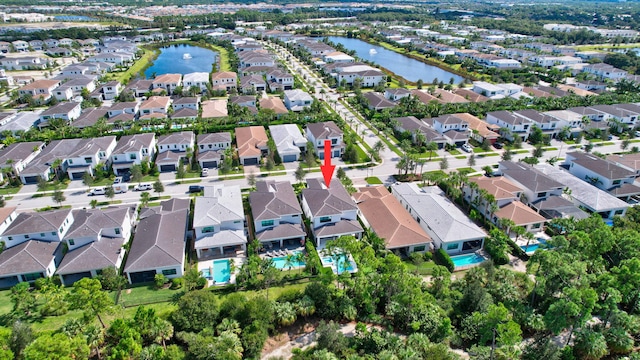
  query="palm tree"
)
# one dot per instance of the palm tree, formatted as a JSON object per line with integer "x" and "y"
{"x": 473, "y": 188}
{"x": 95, "y": 339}
{"x": 228, "y": 325}
{"x": 144, "y": 199}
{"x": 431, "y": 147}
{"x": 506, "y": 225}
{"x": 163, "y": 331}
{"x": 289, "y": 260}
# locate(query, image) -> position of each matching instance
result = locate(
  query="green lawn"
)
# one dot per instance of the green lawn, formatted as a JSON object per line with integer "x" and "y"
{"x": 454, "y": 152}
{"x": 428, "y": 154}
{"x": 52, "y": 186}
{"x": 521, "y": 151}
{"x": 373, "y": 180}
{"x": 149, "y": 178}
{"x": 191, "y": 175}
{"x": 569, "y": 142}
{"x": 233, "y": 177}
{"x": 479, "y": 150}
{"x": 461, "y": 157}
{"x": 10, "y": 190}
{"x": 278, "y": 173}
{"x": 634, "y": 141}
{"x": 466, "y": 170}
{"x": 112, "y": 202}
{"x": 103, "y": 182}
{"x": 137, "y": 67}
{"x": 593, "y": 141}
{"x": 423, "y": 269}
{"x": 490, "y": 154}
{"x": 607, "y": 143}
{"x": 141, "y": 295}
{"x": 550, "y": 149}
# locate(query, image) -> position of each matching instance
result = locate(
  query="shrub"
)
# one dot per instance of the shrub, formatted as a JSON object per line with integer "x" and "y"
{"x": 497, "y": 246}
{"x": 442, "y": 258}
{"x": 427, "y": 255}
{"x": 176, "y": 283}
{"x": 416, "y": 258}
{"x": 159, "y": 280}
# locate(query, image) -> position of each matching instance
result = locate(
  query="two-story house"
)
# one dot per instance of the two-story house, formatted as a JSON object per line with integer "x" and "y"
{"x": 211, "y": 148}
{"x": 218, "y": 222}
{"x": 510, "y": 124}
{"x": 67, "y": 111}
{"x": 132, "y": 150}
{"x": 168, "y": 82}
{"x": 276, "y": 214}
{"x": 18, "y": 155}
{"x": 110, "y": 90}
{"x": 89, "y": 155}
{"x": 118, "y": 108}
{"x": 317, "y": 133}
{"x": 297, "y": 100}
{"x": 535, "y": 185}
{"x": 452, "y": 127}
{"x": 279, "y": 80}
{"x": 199, "y": 80}
{"x": 40, "y": 90}
{"x": 252, "y": 84}
{"x": 549, "y": 125}
{"x": 95, "y": 241}
{"x": 173, "y": 148}
{"x": 252, "y": 144}
{"x": 155, "y": 105}
{"x": 224, "y": 80}
{"x": 601, "y": 173}
{"x": 331, "y": 211}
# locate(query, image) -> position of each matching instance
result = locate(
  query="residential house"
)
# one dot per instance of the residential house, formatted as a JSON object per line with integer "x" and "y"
{"x": 605, "y": 71}
{"x": 279, "y": 80}
{"x": 95, "y": 241}
{"x": 18, "y": 156}
{"x": 510, "y": 124}
{"x": 123, "y": 108}
{"x": 273, "y": 103}
{"x": 297, "y": 100}
{"x": 252, "y": 144}
{"x": 89, "y": 117}
{"x": 218, "y": 222}
{"x": 584, "y": 195}
{"x": 414, "y": 126}
{"x": 535, "y": 185}
{"x": 247, "y": 101}
{"x": 67, "y": 111}
{"x": 196, "y": 79}
{"x": 225, "y": 80}
{"x": 521, "y": 215}
{"x": 168, "y": 82}
{"x": 251, "y": 84}
{"x": 449, "y": 228}
{"x": 382, "y": 212}
{"x": 331, "y": 211}
{"x": 601, "y": 173}
{"x": 214, "y": 109}
{"x": 41, "y": 90}
{"x": 36, "y": 45}
{"x": 111, "y": 90}
{"x": 132, "y": 150}
{"x": 338, "y": 56}
{"x": 63, "y": 93}
{"x": 29, "y": 261}
{"x": 454, "y": 128}
{"x": 185, "y": 102}
{"x": 173, "y": 148}
{"x": 59, "y": 52}
{"x": 289, "y": 141}
{"x": 568, "y": 119}
{"x": 629, "y": 161}
{"x": 470, "y": 95}
{"x": 211, "y": 148}
{"x": 618, "y": 116}
{"x": 318, "y": 133}
{"x": 378, "y": 101}
{"x": 20, "y": 46}
{"x": 276, "y": 214}
{"x": 549, "y": 125}
{"x": 139, "y": 87}
{"x": 158, "y": 246}
{"x": 50, "y": 226}
{"x": 396, "y": 94}
{"x": 155, "y": 105}
{"x": 480, "y": 129}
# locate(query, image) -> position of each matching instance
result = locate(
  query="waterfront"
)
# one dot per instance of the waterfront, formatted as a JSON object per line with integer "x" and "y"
{"x": 171, "y": 60}
{"x": 399, "y": 64}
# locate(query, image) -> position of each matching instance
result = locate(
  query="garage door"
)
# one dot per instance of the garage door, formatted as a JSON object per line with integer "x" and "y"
{"x": 143, "y": 276}
{"x": 31, "y": 179}
{"x": 165, "y": 168}
{"x": 289, "y": 158}
{"x": 69, "y": 279}
{"x": 210, "y": 164}
{"x": 251, "y": 161}
{"x": 122, "y": 171}
{"x": 8, "y": 282}
{"x": 77, "y": 175}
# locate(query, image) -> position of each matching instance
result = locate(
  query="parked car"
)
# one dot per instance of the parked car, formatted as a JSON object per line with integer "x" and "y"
{"x": 204, "y": 172}
{"x": 498, "y": 145}
{"x": 637, "y": 133}
{"x": 143, "y": 187}
{"x": 467, "y": 148}
{"x": 117, "y": 180}
{"x": 120, "y": 188}
{"x": 97, "y": 191}
{"x": 195, "y": 189}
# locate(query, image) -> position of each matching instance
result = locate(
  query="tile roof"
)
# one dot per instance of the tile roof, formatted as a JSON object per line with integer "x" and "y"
{"x": 323, "y": 201}
{"x": 500, "y": 187}
{"x": 519, "y": 213}
{"x": 96, "y": 255}
{"x": 272, "y": 199}
{"x": 29, "y": 223}
{"x": 250, "y": 139}
{"x": 604, "y": 168}
{"x": 220, "y": 204}
{"x": 31, "y": 256}
{"x": 324, "y": 130}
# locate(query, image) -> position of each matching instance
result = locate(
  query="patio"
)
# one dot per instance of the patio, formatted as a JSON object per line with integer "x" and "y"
{"x": 221, "y": 269}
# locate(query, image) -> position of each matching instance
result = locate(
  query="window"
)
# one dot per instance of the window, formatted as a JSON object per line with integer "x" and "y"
{"x": 619, "y": 212}
{"x": 334, "y": 141}
{"x": 419, "y": 248}
{"x": 60, "y": 230}
{"x": 10, "y": 238}
{"x": 41, "y": 234}
{"x": 53, "y": 233}
{"x": 325, "y": 219}
{"x": 132, "y": 156}
{"x": 71, "y": 242}
{"x": 542, "y": 194}
{"x": 26, "y": 236}
{"x": 31, "y": 277}
{"x": 615, "y": 182}
{"x": 117, "y": 231}
{"x": 87, "y": 160}
{"x": 168, "y": 272}
{"x": 70, "y": 161}
{"x": 536, "y": 226}
{"x": 267, "y": 223}
{"x": 208, "y": 229}
{"x": 452, "y": 246}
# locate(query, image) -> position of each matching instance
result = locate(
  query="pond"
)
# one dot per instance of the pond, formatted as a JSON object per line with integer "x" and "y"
{"x": 73, "y": 18}
{"x": 399, "y": 64}
{"x": 172, "y": 60}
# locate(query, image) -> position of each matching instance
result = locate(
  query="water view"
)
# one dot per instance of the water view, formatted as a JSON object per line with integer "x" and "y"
{"x": 181, "y": 59}
{"x": 404, "y": 66}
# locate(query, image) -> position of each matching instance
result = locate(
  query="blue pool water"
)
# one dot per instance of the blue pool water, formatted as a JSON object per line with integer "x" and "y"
{"x": 609, "y": 222}
{"x": 533, "y": 247}
{"x": 221, "y": 271}
{"x": 469, "y": 259}
{"x": 343, "y": 263}
{"x": 281, "y": 262}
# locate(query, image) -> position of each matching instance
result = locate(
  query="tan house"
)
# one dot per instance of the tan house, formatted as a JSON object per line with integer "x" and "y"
{"x": 155, "y": 104}
{"x": 224, "y": 80}
{"x": 168, "y": 82}
{"x": 252, "y": 144}
{"x": 274, "y": 103}
{"x": 214, "y": 109}
{"x": 480, "y": 130}
{"x": 41, "y": 90}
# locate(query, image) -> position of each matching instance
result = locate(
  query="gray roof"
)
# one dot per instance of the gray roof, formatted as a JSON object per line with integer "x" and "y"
{"x": 282, "y": 231}
{"x": 341, "y": 227}
{"x": 378, "y": 101}
{"x": 213, "y": 138}
{"x": 181, "y": 137}
{"x": 584, "y": 111}
{"x": 613, "y": 110}
{"x": 449, "y": 120}
{"x": 602, "y": 167}
{"x": 535, "y": 116}
{"x": 323, "y": 201}
{"x": 558, "y": 206}
{"x": 220, "y": 204}
{"x": 324, "y": 130}
{"x": 66, "y": 149}
{"x": 629, "y": 107}
{"x": 93, "y": 256}
{"x": 134, "y": 143}
{"x": 160, "y": 238}
{"x": 18, "y": 151}
{"x": 28, "y": 257}
{"x": 529, "y": 177}
{"x": 221, "y": 238}
{"x": 169, "y": 157}
{"x": 36, "y": 222}
{"x": 241, "y": 99}
{"x": 582, "y": 192}
{"x": 23, "y": 120}
{"x": 89, "y": 117}
{"x": 123, "y": 105}
{"x": 625, "y": 190}
{"x": 411, "y": 124}
{"x": 89, "y": 223}
{"x": 287, "y": 138}
{"x": 272, "y": 200}
{"x": 297, "y": 94}
{"x": 186, "y": 100}
{"x": 184, "y": 113}
{"x": 442, "y": 216}
{"x": 61, "y": 108}
{"x": 509, "y": 118}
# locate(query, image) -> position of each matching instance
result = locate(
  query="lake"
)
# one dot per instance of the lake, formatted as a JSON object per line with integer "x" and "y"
{"x": 171, "y": 61}
{"x": 401, "y": 65}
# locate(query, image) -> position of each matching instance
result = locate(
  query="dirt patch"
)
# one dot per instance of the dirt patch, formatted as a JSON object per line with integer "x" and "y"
{"x": 289, "y": 334}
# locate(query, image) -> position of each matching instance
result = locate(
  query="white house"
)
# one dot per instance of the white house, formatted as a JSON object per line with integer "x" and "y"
{"x": 317, "y": 133}
{"x": 514, "y": 125}
{"x": 174, "y": 147}
{"x": 289, "y": 141}
{"x": 132, "y": 150}
{"x": 196, "y": 79}
{"x": 297, "y": 100}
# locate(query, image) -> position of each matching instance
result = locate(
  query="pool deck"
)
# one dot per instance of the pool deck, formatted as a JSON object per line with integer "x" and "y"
{"x": 280, "y": 252}
{"x": 467, "y": 267}
{"x": 237, "y": 262}
{"x": 523, "y": 242}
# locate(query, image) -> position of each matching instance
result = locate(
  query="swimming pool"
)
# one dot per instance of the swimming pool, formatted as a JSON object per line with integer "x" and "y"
{"x": 281, "y": 262}
{"x": 221, "y": 272}
{"x": 533, "y": 247}
{"x": 341, "y": 263}
{"x": 466, "y": 260}
{"x": 609, "y": 222}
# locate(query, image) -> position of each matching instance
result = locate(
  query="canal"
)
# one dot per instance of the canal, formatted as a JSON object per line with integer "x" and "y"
{"x": 399, "y": 64}
{"x": 172, "y": 59}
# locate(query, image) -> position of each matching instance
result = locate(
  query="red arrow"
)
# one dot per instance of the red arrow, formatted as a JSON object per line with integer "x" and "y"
{"x": 327, "y": 168}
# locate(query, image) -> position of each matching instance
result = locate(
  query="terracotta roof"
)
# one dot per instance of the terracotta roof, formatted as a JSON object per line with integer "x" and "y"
{"x": 482, "y": 127}
{"x": 250, "y": 139}
{"x": 389, "y": 219}
{"x": 519, "y": 213}
{"x": 500, "y": 187}
{"x": 224, "y": 75}
{"x": 167, "y": 79}
{"x": 274, "y": 103}
{"x": 156, "y": 102}
{"x": 214, "y": 108}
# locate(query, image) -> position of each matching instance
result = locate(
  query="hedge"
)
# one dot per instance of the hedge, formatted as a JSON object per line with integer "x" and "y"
{"x": 496, "y": 245}
{"x": 442, "y": 258}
